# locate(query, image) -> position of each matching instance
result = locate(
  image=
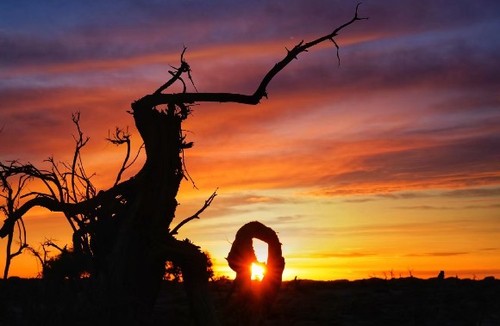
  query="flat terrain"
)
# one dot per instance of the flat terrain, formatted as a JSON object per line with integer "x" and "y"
{"x": 406, "y": 301}
{"x": 403, "y": 301}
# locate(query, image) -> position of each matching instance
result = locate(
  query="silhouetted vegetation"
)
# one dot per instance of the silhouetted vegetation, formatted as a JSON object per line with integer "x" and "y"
{"x": 374, "y": 301}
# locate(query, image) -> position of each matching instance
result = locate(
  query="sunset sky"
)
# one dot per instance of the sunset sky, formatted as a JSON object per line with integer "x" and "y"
{"x": 388, "y": 163}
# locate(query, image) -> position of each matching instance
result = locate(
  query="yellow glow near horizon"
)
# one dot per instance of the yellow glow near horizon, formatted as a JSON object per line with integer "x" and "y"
{"x": 259, "y": 268}
{"x": 258, "y": 271}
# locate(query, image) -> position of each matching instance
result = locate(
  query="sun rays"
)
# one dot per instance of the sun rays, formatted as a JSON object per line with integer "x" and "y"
{"x": 258, "y": 271}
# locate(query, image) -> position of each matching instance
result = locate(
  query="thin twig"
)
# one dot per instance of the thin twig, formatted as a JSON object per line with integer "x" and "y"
{"x": 196, "y": 215}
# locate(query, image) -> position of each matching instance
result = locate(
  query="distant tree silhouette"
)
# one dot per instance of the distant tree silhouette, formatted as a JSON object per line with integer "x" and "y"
{"x": 125, "y": 231}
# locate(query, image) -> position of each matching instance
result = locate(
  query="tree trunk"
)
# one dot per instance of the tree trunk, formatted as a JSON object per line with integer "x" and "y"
{"x": 143, "y": 242}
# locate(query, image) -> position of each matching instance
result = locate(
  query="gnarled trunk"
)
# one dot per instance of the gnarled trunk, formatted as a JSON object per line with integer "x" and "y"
{"x": 143, "y": 242}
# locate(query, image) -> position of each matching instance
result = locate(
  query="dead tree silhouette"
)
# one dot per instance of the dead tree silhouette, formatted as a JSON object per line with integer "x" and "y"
{"x": 126, "y": 229}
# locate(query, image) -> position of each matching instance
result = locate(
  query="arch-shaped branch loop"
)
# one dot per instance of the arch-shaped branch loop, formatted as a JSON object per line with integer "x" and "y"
{"x": 258, "y": 298}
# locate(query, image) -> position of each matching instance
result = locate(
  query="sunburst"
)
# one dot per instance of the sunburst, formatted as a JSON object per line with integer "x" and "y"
{"x": 258, "y": 271}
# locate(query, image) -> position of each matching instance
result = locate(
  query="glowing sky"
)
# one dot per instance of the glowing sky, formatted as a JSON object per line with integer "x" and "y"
{"x": 389, "y": 163}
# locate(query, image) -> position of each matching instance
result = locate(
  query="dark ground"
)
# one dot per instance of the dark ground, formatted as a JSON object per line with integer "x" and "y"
{"x": 404, "y": 301}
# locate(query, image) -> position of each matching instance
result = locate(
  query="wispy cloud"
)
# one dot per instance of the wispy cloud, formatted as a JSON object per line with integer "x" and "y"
{"x": 431, "y": 207}
{"x": 439, "y": 254}
{"x": 326, "y": 255}
{"x": 473, "y": 192}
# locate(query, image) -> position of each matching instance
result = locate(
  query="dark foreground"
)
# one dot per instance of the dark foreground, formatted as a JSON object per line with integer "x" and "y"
{"x": 404, "y": 301}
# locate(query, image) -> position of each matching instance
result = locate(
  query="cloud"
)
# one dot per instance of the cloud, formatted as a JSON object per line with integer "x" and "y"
{"x": 489, "y": 249}
{"x": 327, "y": 255}
{"x": 473, "y": 192}
{"x": 461, "y": 163}
{"x": 121, "y": 29}
{"x": 383, "y": 229}
{"x": 431, "y": 207}
{"x": 424, "y": 207}
{"x": 437, "y": 165}
{"x": 458, "y": 194}
{"x": 289, "y": 218}
{"x": 439, "y": 254}
{"x": 38, "y": 124}
{"x": 405, "y": 16}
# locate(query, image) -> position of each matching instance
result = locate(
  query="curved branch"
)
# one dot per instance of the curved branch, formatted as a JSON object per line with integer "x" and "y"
{"x": 158, "y": 98}
{"x": 121, "y": 137}
{"x": 177, "y": 75}
{"x": 64, "y": 207}
{"x": 196, "y": 215}
{"x": 299, "y": 48}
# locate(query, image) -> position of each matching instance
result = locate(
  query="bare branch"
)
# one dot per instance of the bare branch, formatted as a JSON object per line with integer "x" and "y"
{"x": 70, "y": 209}
{"x": 50, "y": 243}
{"x": 185, "y": 170}
{"x": 135, "y": 157}
{"x": 37, "y": 255}
{"x": 80, "y": 143}
{"x": 196, "y": 215}
{"x": 121, "y": 137}
{"x": 158, "y": 98}
{"x": 176, "y": 75}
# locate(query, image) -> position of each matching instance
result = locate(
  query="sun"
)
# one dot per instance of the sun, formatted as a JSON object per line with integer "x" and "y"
{"x": 258, "y": 271}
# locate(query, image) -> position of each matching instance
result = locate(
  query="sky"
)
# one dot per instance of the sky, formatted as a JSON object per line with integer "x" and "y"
{"x": 386, "y": 165}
